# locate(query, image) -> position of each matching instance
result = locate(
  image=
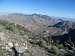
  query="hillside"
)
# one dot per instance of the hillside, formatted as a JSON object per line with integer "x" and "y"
{"x": 31, "y": 22}
{"x": 12, "y": 36}
{"x": 36, "y": 35}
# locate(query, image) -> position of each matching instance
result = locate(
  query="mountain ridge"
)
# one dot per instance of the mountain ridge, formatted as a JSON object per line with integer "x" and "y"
{"x": 36, "y": 35}
{"x": 32, "y": 20}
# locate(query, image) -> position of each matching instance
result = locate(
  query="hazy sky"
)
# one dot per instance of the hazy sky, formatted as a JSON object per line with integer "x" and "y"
{"x": 60, "y": 8}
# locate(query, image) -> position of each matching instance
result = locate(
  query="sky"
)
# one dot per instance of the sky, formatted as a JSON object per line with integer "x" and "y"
{"x": 57, "y": 8}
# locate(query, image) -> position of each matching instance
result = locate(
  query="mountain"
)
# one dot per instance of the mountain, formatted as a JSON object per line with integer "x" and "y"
{"x": 36, "y": 35}
{"x": 31, "y": 22}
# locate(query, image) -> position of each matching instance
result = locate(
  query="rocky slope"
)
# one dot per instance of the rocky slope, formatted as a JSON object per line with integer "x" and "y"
{"x": 36, "y": 35}
{"x": 13, "y": 39}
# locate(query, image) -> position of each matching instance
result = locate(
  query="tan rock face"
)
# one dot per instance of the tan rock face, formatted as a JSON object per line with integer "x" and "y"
{"x": 10, "y": 44}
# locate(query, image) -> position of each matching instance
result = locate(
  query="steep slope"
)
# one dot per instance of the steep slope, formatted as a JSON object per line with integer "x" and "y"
{"x": 31, "y": 22}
